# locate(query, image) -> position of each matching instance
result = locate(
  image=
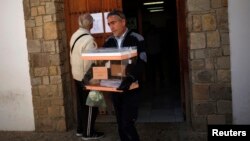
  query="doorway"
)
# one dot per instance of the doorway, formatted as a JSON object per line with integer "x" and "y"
{"x": 166, "y": 100}
{"x": 161, "y": 95}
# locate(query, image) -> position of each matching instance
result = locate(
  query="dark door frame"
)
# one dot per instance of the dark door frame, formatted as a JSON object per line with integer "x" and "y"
{"x": 183, "y": 57}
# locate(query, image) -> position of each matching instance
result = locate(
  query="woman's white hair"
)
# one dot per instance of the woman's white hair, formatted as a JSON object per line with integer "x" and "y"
{"x": 85, "y": 20}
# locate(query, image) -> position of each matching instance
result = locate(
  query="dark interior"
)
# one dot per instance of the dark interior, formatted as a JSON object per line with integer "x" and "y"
{"x": 160, "y": 101}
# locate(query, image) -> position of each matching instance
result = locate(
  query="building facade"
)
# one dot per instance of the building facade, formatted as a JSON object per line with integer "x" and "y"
{"x": 209, "y": 96}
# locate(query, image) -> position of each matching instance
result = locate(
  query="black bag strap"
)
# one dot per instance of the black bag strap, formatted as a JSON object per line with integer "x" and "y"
{"x": 77, "y": 39}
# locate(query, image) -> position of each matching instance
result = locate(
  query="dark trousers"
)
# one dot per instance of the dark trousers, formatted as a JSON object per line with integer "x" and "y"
{"x": 126, "y": 109}
{"x": 86, "y": 115}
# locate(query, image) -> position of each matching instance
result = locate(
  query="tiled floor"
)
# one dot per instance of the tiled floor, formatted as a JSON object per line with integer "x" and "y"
{"x": 160, "y": 105}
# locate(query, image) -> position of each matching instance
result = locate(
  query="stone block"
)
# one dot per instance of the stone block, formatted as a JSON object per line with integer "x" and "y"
{"x": 204, "y": 76}
{"x": 200, "y": 53}
{"x": 60, "y": 90}
{"x": 222, "y": 18}
{"x": 36, "y": 81}
{"x": 226, "y": 50}
{"x": 55, "y": 80}
{"x": 33, "y": 11}
{"x": 34, "y": 2}
{"x": 55, "y": 59}
{"x": 216, "y": 3}
{"x": 42, "y": 112}
{"x": 26, "y": 9}
{"x": 47, "y": 18}
{"x": 41, "y": 10}
{"x": 220, "y": 92}
{"x": 204, "y": 108}
{"x": 200, "y": 92}
{"x": 189, "y": 22}
{"x": 199, "y": 124}
{"x": 50, "y": 8}
{"x": 45, "y": 80}
{"x": 43, "y": 91}
{"x": 61, "y": 125}
{"x": 224, "y": 107}
{"x": 50, "y": 31}
{"x": 57, "y": 101}
{"x": 197, "y": 26}
{"x": 213, "y": 39}
{"x": 225, "y": 38}
{"x": 198, "y": 5}
{"x": 209, "y": 63}
{"x": 54, "y": 111}
{"x": 43, "y": 71}
{"x": 35, "y": 91}
{"x": 216, "y": 119}
{"x": 224, "y": 3}
{"x": 223, "y": 62}
{"x": 34, "y": 46}
{"x": 214, "y": 52}
{"x": 36, "y": 103}
{"x": 197, "y": 64}
{"x": 224, "y": 76}
{"x": 192, "y": 54}
{"x": 30, "y": 23}
{"x": 53, "y": 70}
{"x": 197, "y": 40}
{"x": 38, "y": 32}
{"x": 208, "y": 22}
{"x": 39, "y": 20}
{"x": 45, "y": 102}
{"x": 29, "y": 33}
{"x": 49, "y": 46}
{"x": 53, "y": 91}
{"x": 44, "y": 124}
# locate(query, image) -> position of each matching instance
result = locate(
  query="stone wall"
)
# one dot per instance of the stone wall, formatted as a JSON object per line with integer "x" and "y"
{"x": 49, "y": 64}
{"x": 209, "y": 62}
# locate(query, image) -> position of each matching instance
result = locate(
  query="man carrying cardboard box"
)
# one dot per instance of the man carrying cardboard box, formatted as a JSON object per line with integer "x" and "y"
{"x": 126, "y": 104}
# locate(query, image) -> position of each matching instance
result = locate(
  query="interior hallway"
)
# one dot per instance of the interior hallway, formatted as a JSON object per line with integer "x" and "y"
{"x": 160, "y": 104}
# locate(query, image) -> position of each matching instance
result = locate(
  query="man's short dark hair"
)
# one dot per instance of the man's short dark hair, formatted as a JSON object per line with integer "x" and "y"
{"x": 117, "y": 13}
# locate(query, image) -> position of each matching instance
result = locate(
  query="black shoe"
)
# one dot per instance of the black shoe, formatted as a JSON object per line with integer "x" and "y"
{"x": 78, "y": 134}
{"x": 94, "y": 136}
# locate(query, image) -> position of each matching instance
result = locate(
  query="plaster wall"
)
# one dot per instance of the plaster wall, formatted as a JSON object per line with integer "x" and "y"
{"x": 16, "y": 108}
{"x": 239, "y": 21}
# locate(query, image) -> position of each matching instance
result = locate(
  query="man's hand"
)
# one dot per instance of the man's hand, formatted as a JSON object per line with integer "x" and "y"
{"x": 89, "y": 75}
{"x": 126, "y": 82}
{"x": 83, "y": 85}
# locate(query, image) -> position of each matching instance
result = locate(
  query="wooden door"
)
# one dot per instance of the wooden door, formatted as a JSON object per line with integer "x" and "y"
{"x": 73, "y": 8}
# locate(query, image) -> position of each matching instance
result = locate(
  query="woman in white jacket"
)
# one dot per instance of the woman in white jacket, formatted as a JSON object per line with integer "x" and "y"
{"x": 81, "y": 41}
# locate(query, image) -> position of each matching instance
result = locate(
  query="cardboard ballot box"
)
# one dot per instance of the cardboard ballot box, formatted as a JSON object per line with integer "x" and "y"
{"x": 111, "y": 67}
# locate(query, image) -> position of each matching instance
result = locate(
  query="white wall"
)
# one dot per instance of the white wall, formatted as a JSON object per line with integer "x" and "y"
{"x": 239, "y": 25}
{"x": 16, "y": 108}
